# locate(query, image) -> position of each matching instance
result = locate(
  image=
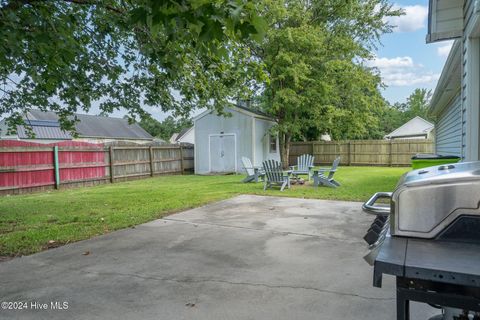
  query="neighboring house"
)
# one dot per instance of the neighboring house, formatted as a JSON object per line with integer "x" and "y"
{"x": 456, "y": 99}
{"x": 94, "y": 129}
{"x": 221, "y": 142}
{"x": 187, "y": 135}
{"x": 417, "y": 128}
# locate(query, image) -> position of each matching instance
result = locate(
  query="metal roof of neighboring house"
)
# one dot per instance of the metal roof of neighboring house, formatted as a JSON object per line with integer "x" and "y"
{"x": 90, "y": 126}
{"x": 43, "y": 129}
{"x": 415, "y": 127}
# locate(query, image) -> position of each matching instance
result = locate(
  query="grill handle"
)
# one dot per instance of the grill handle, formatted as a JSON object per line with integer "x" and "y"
{"x": 370, "y": 206}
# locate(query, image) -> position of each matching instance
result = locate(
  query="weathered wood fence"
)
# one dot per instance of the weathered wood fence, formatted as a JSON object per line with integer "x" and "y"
{"x": 27, "y": 167}
{"x": 362, "y": 152}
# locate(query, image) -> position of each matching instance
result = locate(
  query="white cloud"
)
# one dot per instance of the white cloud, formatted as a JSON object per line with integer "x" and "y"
{"x": 414, "y": 19}
{"x": 409, "y": 78}
{"x": 444, "y": 49}
{"x": 398, "y": 62}
{"x": 402, "y": 71}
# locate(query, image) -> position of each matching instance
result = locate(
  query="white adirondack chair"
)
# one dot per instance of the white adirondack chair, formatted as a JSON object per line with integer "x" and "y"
{"x": 320, "y": 176}
{"x": 275, "y": 175}
{"x": 253, "y": 173}
{"x": 304, "y": 166}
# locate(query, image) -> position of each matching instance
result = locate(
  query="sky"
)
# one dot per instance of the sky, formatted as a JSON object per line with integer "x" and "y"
{"x": 404, "y": 59}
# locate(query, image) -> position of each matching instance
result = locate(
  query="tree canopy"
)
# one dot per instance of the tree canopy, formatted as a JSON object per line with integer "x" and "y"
{"x": 313, "y": 53}
{"x": 69, "y": 55}
{"x": 392, "y": 117}
{"x": 166, "y": 128}
{"x": 304, "y": 60}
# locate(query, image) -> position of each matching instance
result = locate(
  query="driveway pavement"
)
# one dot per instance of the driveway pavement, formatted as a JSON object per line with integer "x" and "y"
{"x": 249, "y": 257}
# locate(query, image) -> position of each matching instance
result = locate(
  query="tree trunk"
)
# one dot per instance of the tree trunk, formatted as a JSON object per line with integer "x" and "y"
{"x": 285, "y": 149}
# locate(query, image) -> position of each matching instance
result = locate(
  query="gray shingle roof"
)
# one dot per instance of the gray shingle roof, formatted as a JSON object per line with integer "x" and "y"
{"x": 99, "y": 126}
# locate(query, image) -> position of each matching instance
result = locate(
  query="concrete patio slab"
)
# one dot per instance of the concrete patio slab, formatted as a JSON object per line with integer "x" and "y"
{"x": 249, "y": 257}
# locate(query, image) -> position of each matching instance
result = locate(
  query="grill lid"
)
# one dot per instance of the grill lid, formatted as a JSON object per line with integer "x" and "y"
{"x": 457, "y": 172}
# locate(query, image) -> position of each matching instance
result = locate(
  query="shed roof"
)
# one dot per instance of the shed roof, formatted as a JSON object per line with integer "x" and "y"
{"x": 251, "y": 110}
{"x": 90, "y": 126}
{"x": 241, "y": 109}
{"x": 415, "y": 127}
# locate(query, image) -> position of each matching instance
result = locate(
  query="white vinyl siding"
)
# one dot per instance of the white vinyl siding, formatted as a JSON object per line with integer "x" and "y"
{"x": 221, "y": 142}
{"x": 448, "y": 136}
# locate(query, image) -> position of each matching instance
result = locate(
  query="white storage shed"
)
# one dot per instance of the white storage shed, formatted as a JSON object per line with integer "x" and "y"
{"x": 222, "y": 141}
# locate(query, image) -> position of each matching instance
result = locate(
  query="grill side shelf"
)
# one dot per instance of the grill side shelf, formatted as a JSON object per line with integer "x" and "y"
{"x": 390, "y": 259}
{"x": 443, "y": 261}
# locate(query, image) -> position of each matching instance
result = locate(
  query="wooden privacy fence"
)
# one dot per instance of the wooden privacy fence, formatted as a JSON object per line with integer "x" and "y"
{"x": 362, "y": 152}
{"x": 26, "y": 167}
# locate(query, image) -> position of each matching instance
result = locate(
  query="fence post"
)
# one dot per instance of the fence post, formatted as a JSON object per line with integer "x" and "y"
{"x": 112, "y": 179}
{"x": 181, "y": 159}
{"x": 390, "y": 154}
{"x": 349, "y": 153}
{"x": 150, "y": 150}
{"x": 312, "y": 146}
{"x": 56, "y": 167}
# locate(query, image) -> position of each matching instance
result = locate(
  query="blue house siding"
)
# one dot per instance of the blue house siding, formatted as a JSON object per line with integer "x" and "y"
{"x": 458, "y": 117}
{"x": 449, "y": 133}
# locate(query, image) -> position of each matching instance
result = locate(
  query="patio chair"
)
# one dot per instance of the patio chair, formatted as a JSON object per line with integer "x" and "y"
{"x": 253, "y": 173}
{"x": 275, "y": 175}
{"x": 324, "y": 176}
{"x": 304, "y": 166}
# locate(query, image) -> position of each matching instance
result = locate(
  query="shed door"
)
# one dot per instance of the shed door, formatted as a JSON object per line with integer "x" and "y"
{"x": 222, "y": 153}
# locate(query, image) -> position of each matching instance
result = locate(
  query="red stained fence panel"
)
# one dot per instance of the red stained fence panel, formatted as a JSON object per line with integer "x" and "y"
{"x": 28, "y": 164}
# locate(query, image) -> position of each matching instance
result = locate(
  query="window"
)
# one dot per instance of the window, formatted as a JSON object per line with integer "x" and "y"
{"x": 273, "y": 143}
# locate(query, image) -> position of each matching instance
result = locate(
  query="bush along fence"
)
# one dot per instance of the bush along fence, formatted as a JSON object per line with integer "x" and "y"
{"x": 27, "y": 167}
{"x": 362, "y": 152}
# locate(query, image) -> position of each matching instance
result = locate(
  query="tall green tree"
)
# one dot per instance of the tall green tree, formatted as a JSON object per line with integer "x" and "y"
{"x": 312, "y": 53}
{"x": 166, "y": 128}
{"x": 69, "y": 55}
{"x": 417, "y": 105}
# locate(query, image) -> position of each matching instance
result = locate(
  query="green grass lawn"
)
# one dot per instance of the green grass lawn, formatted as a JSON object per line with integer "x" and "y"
{"x": 29, "y": 222}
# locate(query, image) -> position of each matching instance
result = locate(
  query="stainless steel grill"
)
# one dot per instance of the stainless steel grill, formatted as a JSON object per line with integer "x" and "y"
{"x": 427, "y": 202}
{"x": 427, "y": 235}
